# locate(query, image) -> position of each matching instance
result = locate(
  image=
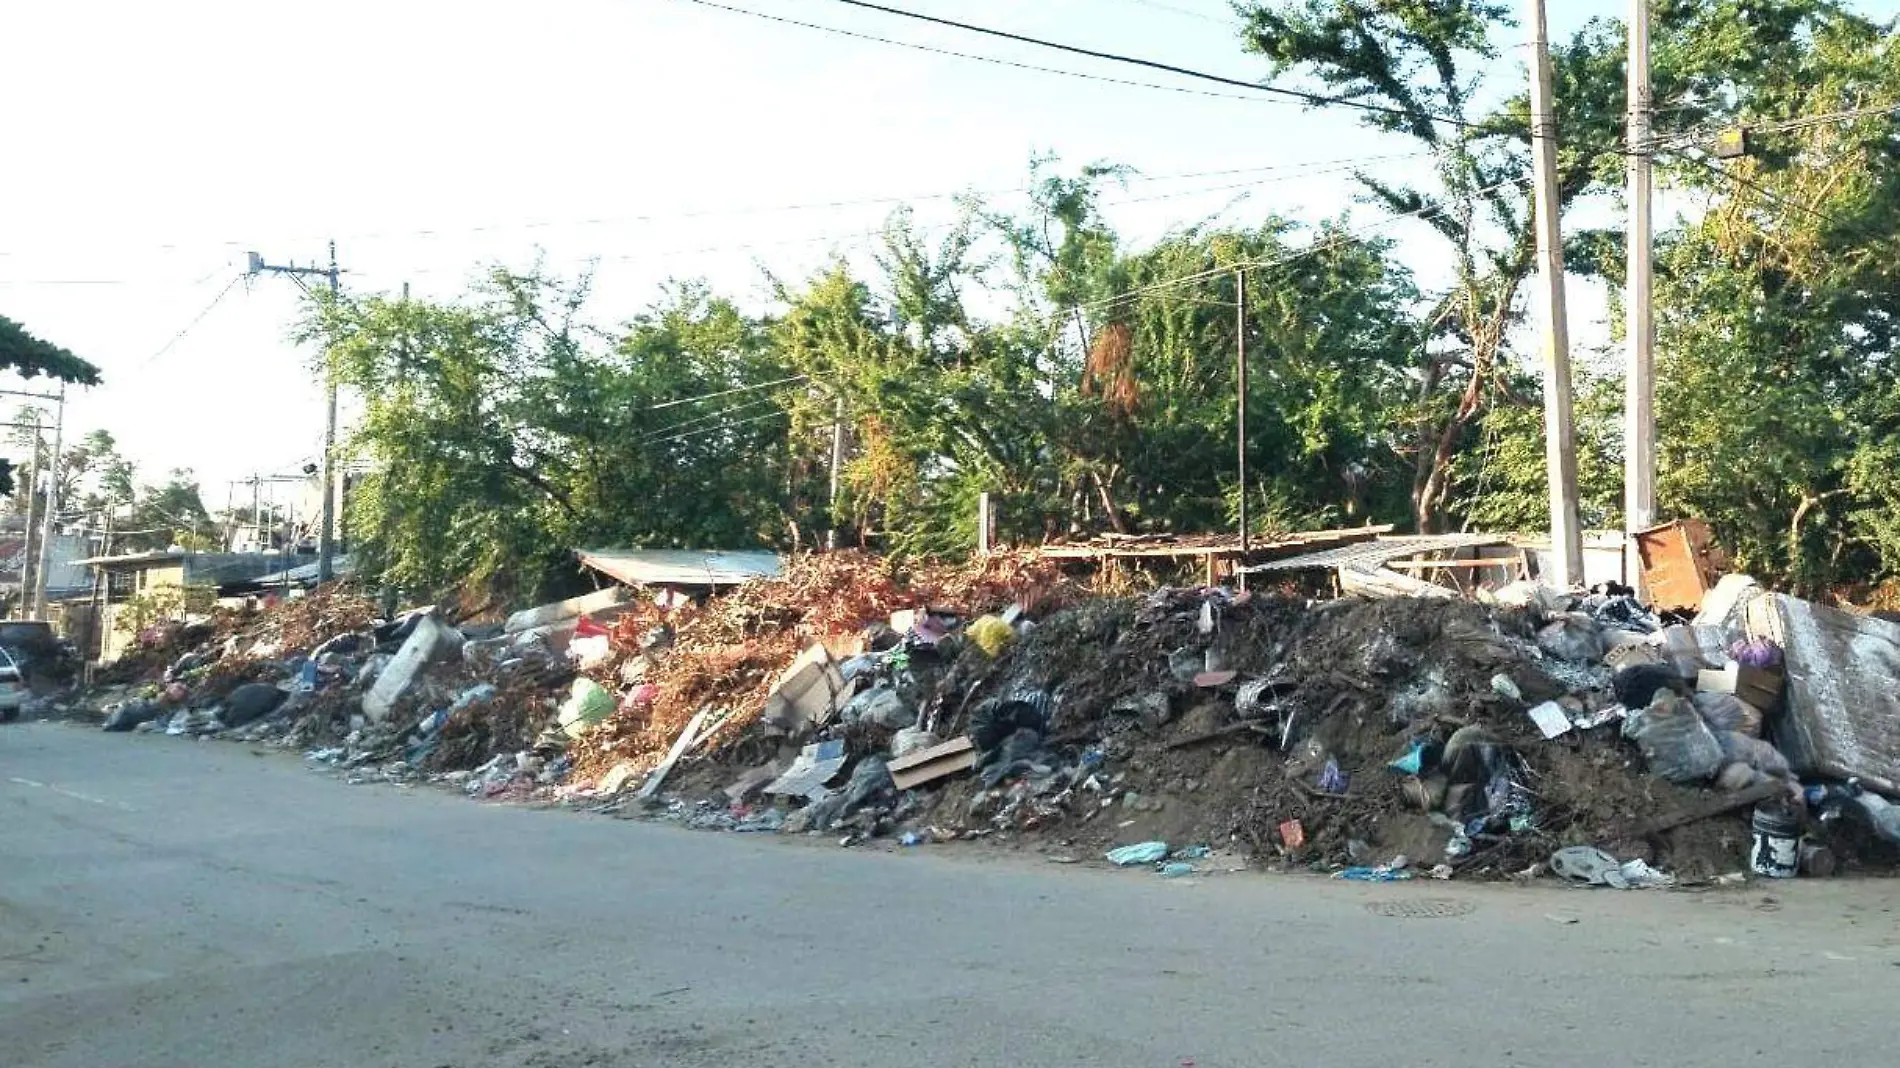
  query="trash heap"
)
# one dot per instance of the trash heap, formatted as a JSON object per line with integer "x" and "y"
{"x": 1524, "y": 733}
{"x": 1370, "y": 738}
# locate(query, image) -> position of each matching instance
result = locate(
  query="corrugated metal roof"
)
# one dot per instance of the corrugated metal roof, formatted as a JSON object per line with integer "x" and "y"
{"x": 1375, "y": 553}
{"x": 681, "y": 567}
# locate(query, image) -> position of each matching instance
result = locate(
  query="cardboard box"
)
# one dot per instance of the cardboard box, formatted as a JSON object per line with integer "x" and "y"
{"x": 1757, "y": 686}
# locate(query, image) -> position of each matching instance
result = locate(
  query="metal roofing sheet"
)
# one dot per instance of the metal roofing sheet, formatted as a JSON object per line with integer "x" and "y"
{"x": 1375, "y": 553}
{"x": 681, "y": 567}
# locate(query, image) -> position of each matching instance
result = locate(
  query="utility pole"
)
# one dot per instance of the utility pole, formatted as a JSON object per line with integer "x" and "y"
{"x": 52, "y": 508}
{"x": 1639, "y": 383}
{"x": 837, "y": 463}
{"x": 1560, "y": 453}
{"x": 32, "y": 497}
{"x": 1240, "y": 398}
{"x": 326, "y": 543}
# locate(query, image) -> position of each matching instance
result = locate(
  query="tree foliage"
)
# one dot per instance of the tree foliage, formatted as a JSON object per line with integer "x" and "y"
{"x": 29, "y": 356}
{"x": 1087, "y": 381}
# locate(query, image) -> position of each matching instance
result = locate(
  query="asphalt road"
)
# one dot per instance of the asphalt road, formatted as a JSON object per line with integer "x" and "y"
{"x": 165, "y": 902}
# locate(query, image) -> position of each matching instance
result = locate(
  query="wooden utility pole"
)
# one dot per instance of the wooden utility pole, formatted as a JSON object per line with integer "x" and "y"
{"x": 1639, "y": 399}
{"x": 1240, "y": 398}
{"x": 1560, "y": 452}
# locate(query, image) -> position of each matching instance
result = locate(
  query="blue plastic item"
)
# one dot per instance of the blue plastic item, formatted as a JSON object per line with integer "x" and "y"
{"x": 1380, "y": 874}
{"x": 1140, "y": 853}
{"x": 1176, "y": 870}
{"x": 1413, "y": 761}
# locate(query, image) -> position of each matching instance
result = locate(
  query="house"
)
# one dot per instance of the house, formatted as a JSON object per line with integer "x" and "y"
{"x": 154, "y": 587}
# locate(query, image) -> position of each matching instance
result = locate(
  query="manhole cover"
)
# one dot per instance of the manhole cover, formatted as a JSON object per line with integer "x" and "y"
{"x": 1420, "y": 908}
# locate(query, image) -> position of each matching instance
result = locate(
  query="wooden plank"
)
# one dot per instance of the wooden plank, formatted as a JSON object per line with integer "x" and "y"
{"x": 936, "y": 762}
{"x": 1761, "y": 791}
{"x": 658, "y": 776}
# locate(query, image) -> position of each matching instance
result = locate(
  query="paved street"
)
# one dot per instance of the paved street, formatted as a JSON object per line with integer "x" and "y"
{"x": 176, "y": 903}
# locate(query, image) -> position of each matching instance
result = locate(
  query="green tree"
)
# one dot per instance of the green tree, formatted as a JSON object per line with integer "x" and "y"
{"x": 29, "y": 356}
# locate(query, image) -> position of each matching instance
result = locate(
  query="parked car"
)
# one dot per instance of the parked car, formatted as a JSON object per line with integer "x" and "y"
{"x": 38, "y": 655}
{"x": 13, "y": 691}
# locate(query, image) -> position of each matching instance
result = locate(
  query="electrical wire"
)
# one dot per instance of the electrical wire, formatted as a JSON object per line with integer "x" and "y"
{"x": 1312, "y": 99}
{"x": 195, "y": 320}
{"x": 707, "y": 418}
{"x": 726, "y": 392}
{"x": 1160, "y": 5}
{"x": 978, "y": 58}
{"x": 717, "y": 429}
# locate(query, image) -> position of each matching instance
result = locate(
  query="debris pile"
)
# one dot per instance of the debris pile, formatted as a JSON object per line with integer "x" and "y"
{"x": 1526, "y": 732}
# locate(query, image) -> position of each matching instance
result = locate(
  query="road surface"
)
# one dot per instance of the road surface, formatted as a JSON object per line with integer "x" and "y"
{"x": 165, "y": 902}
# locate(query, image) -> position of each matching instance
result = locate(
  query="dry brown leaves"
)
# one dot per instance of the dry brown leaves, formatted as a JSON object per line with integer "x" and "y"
{"x": 728, "y": 654}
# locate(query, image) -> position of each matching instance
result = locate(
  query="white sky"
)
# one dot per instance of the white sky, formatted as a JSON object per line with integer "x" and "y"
{"x": 150, "y": 145}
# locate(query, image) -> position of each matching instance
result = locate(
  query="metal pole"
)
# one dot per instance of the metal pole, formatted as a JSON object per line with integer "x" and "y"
{"x": 1639, "y": 401}
{"x": 27, "y": 568}
{"x": 1240, "y": 398}
{"x": 1560, "y": 454}
{"x": 326, "y": 540}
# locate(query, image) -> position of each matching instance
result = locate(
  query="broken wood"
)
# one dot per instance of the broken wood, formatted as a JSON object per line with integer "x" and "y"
{"x": 936, "y": 762}
{"x": 1222, "y": 732}
{"x": 1761, "y": 791}
{"x": 686, "y": 738}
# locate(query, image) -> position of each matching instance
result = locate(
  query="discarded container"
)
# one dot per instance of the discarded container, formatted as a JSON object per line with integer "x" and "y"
{"x": 1776, "y": 850}
{"x": 1176, "y": 870}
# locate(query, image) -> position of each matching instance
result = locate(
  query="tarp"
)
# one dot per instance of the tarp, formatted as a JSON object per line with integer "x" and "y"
{"x": 681, "y": 567}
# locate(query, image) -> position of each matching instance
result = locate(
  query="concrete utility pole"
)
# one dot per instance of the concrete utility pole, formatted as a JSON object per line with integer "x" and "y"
{"x": 1560, "y": 453}
{"x": 837, "y": 465}
{"x": 52, "y": 508}
{"x": 326, "y": 538}
{"x": 1639, "y": 399}
{"x": 32, "y": 496}
{"x": 1240, "y": 396}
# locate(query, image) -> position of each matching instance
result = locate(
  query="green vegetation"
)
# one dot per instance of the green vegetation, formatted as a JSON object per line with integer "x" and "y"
{"x": 1087, "y": 382}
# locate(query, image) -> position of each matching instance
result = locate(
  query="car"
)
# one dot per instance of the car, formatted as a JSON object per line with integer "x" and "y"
{"x": 13, "y": 689}
{"x": 39, "y": 655}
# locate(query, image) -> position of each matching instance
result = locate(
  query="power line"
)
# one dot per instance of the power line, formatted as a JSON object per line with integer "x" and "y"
{"x": 1316, "y": 99}
{"x": 726, "y": 392}
{"x": 972, "y": 56}
{"x": 195, "y": 320}
{"x": 1160, "y": 5}
{"x": 716, "y": 429}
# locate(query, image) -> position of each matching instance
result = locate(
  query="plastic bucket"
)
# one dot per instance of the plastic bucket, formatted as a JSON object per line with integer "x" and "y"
{"x": 1776, "y": 850}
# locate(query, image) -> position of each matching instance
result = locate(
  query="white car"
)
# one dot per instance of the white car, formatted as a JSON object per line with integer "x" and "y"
{"x": 13, "y": 691}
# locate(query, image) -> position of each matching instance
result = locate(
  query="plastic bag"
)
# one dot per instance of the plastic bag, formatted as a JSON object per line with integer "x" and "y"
{"x": 1140, "y": 853}
{"x": 1572, "y": 637}
{"x": 1636, "y": 685}
{"x": 1675, "y": 742}
{"x": 586, "y": 705}
{"x": 1753, "y": 752}
{"x": 1727, "y": 712}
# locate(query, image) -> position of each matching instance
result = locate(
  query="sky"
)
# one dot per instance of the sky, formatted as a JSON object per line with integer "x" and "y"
{"x": 153, "y": 145}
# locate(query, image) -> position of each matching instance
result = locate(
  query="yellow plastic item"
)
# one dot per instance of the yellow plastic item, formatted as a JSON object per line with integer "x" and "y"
{"x": 991, "y": 634}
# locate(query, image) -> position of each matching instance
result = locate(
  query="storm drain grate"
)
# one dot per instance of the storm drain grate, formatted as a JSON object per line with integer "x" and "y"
{"x": 1421, "y": 908}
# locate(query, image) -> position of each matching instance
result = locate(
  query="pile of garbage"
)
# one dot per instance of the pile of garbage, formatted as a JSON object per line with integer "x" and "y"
{"x": 1370, "y": 738}
{"x": 1528, "y": 732}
